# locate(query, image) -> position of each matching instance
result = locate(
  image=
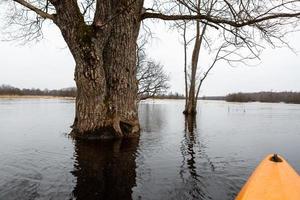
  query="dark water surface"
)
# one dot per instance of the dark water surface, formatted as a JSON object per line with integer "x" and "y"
{"x": 173, "y": 159}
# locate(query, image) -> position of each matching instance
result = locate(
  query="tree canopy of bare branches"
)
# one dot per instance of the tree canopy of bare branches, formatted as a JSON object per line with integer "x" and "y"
{"x": 152, "y": 80}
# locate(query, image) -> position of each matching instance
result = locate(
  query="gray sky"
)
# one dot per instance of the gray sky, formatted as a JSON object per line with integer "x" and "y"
{"x": 48, "y": 64}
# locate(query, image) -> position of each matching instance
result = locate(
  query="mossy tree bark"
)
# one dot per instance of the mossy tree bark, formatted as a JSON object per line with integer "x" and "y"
{"x": 105, "y": 73}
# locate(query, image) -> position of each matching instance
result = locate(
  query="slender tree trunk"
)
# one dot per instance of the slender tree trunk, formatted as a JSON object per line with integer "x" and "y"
{"x": 198, "y": 91}
{"x": 190, "y": 107}
{"x": 105, "y": 73}
{"x": 185, "y": 66}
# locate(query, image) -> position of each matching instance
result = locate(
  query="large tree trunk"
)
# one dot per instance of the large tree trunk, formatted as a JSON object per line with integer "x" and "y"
{"x": 105, "y": 74}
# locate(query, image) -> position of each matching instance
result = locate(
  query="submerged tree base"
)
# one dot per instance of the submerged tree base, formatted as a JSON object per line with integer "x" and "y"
{"x": 108, "y": 132}
{"x": 189, "y": 113}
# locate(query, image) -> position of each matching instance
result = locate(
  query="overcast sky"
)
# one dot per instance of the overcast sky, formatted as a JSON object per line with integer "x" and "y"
{"x": 49, "y": 64}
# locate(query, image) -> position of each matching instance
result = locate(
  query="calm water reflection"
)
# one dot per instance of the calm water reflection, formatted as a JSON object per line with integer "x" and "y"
{"x": 209, "y": 157}
{"x": 105, "y": 170}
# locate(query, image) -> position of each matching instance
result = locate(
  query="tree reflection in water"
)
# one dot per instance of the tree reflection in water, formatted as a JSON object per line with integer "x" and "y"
{"x": 151, "y": 117}
{"x": 105, "y": 169}
{"x": 190, "y": 139}
{"x": 191, "y": 172}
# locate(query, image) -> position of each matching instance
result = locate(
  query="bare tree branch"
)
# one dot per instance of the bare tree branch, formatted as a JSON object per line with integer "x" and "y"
{"x": 151, "y": 77}
{"x": 38, "y": 11}
{"x": 216, "y": 20}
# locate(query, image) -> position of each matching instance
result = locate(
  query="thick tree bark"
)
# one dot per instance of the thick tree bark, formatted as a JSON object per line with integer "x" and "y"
{"x": 105, "y": 73}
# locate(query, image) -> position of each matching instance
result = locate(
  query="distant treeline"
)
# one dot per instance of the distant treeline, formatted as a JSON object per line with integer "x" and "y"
{"x": 213, "y": 98}
{"x": 10, "y": 90}
{"x": 286, "y": 97}
{"x": 170, "y": 95}
{"x": 181, "y": 96}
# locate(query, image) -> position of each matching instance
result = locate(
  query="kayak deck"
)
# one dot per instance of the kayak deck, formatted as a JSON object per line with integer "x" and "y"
{"x": 273, "y": 179}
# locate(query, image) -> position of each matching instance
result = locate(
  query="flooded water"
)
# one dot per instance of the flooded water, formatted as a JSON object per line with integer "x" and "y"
{"x": 210, "y": 158}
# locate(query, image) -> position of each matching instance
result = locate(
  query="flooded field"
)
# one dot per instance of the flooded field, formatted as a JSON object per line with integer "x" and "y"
{"x": 208, "y": 159}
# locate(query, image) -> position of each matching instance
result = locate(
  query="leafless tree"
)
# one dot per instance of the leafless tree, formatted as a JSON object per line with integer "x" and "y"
{"x": 196, "y": 74}
{"x": 102, "y": 35}
{"x": 229, "y": 49}
{"x": 152, "y": 80}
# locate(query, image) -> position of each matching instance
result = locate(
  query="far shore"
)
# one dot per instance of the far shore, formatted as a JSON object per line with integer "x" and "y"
{"x": 73, "y": 98}
{"x": 34, "y": 97}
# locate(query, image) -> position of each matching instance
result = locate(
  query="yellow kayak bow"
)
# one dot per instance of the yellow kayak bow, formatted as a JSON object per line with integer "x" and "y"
{"x": 273, "y": 179}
